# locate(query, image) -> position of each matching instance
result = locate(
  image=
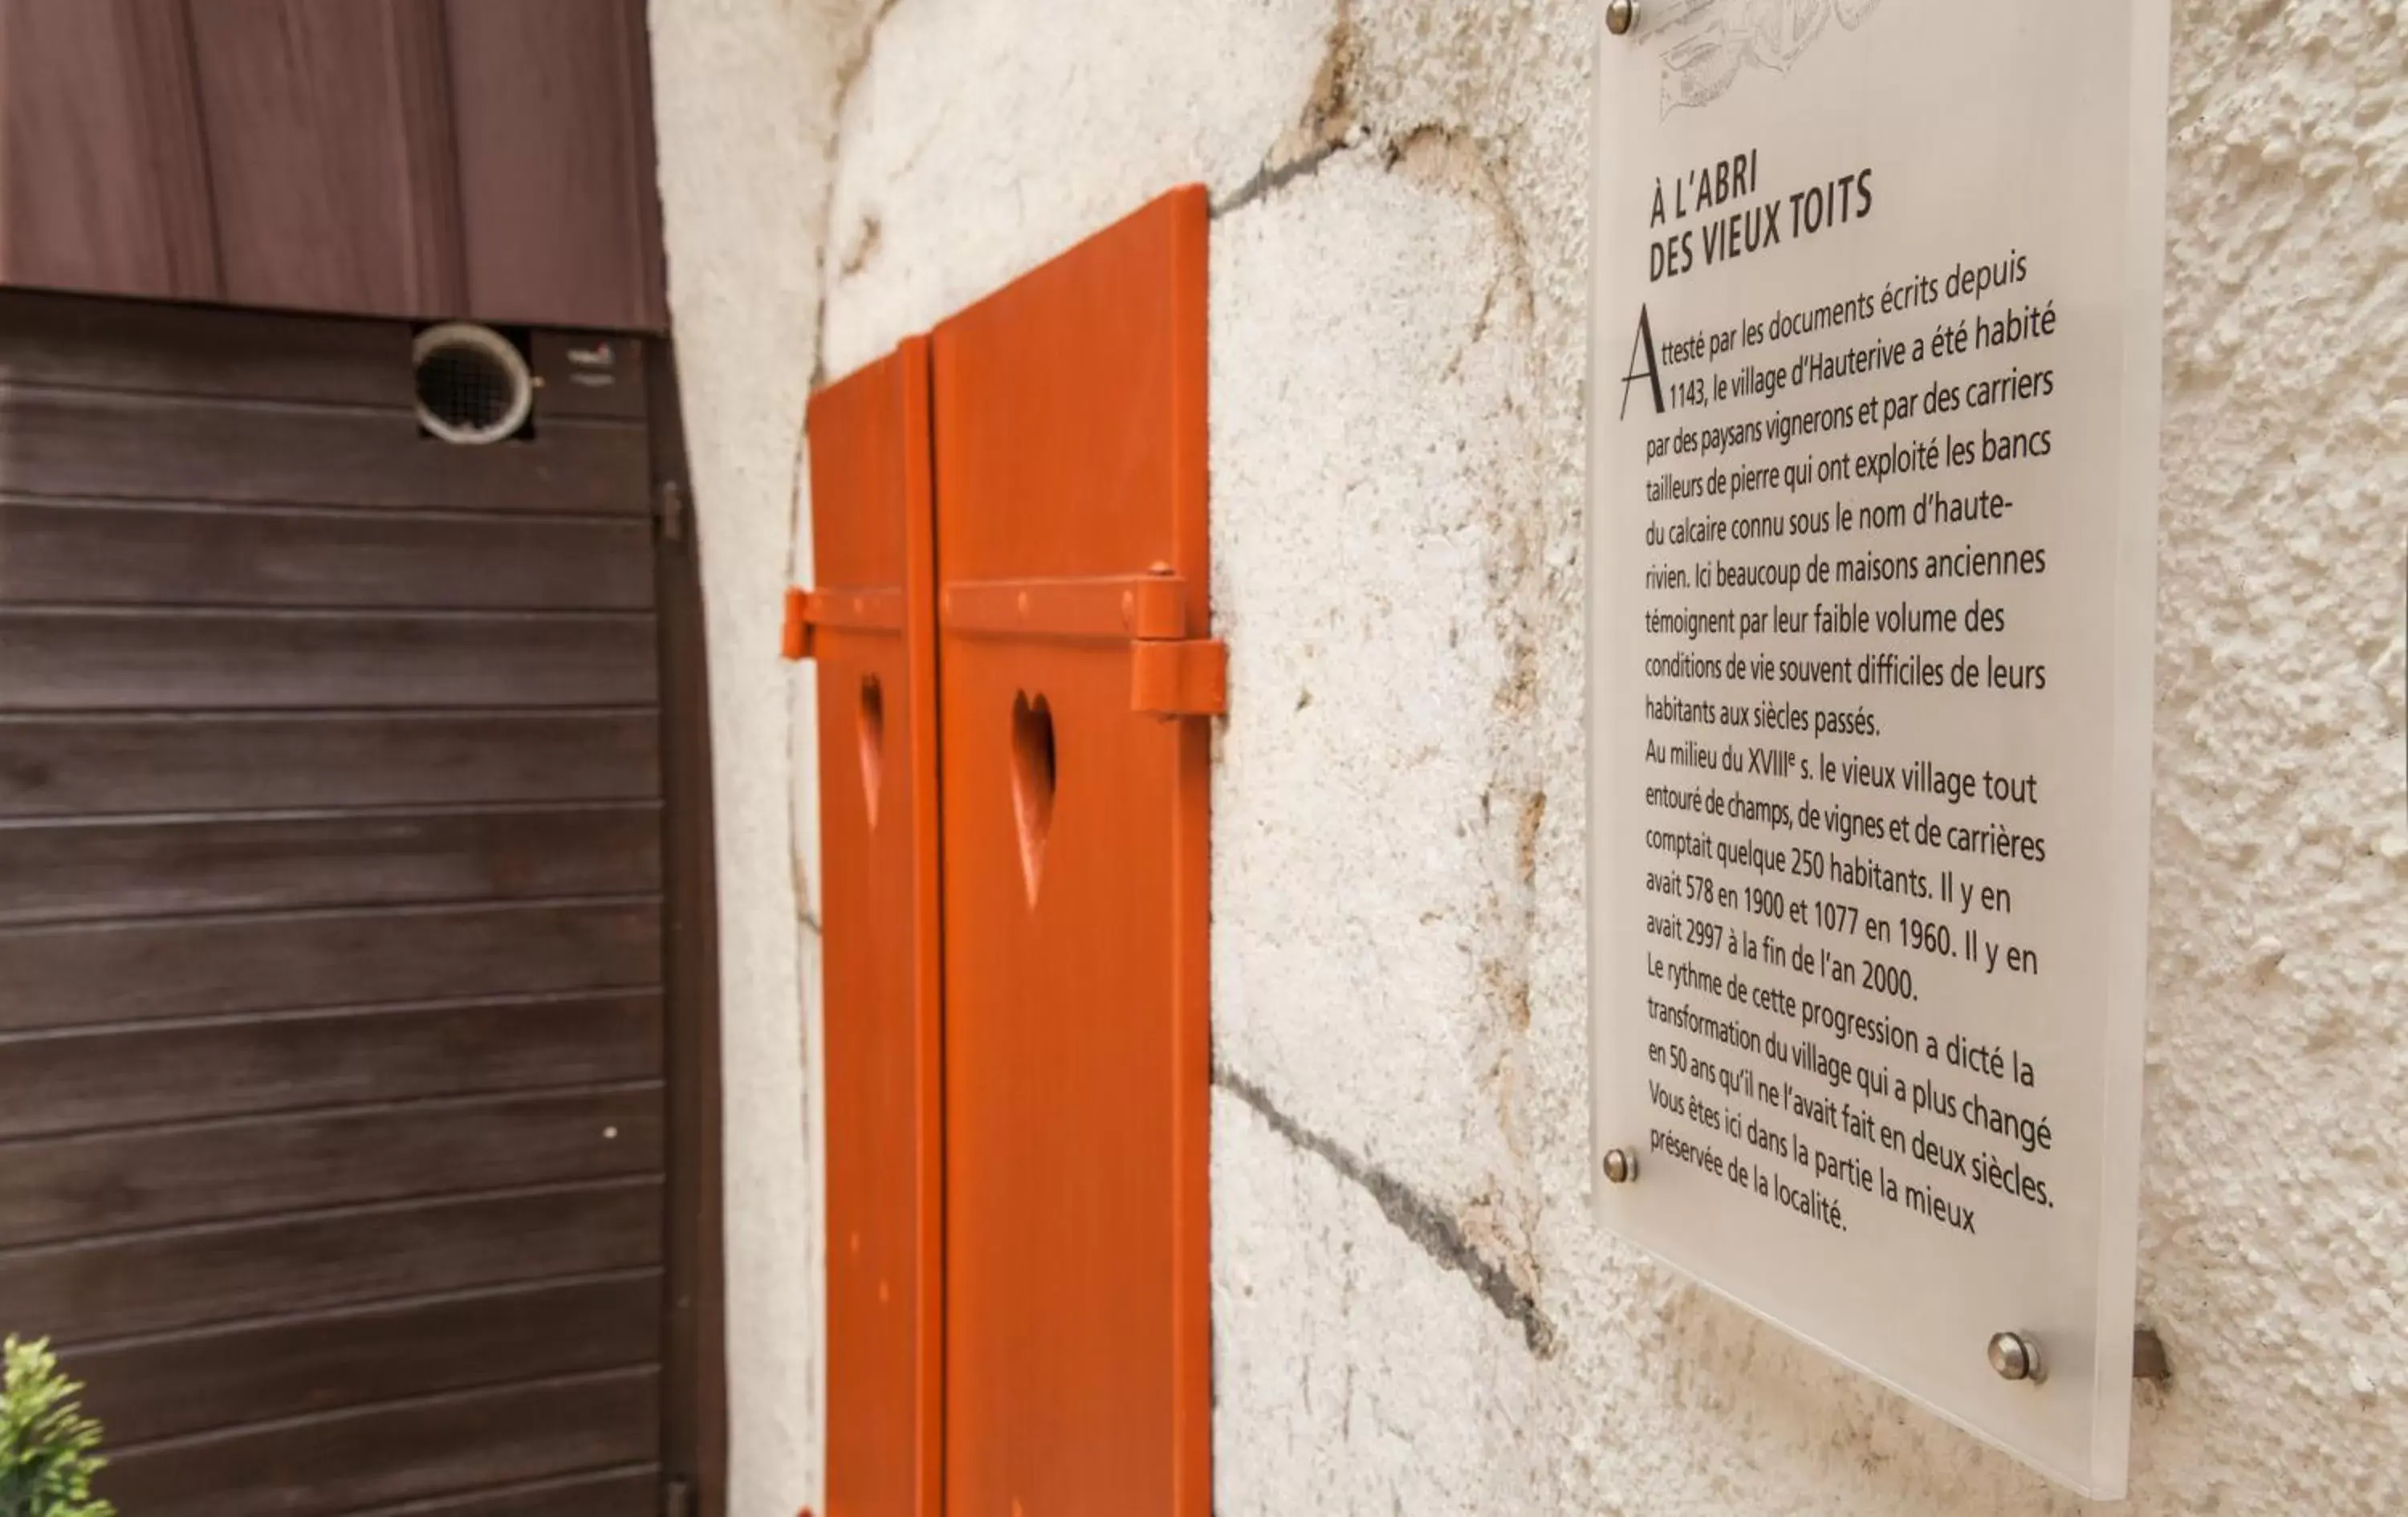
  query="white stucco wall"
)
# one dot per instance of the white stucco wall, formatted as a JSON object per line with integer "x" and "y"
{"x": 744, "y": 96}
{"x": 1412, "y": 1312}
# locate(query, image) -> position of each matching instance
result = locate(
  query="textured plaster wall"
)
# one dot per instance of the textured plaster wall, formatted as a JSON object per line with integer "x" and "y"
{"x": 744, "y": 92}
{"x": 1412, "y": 1312}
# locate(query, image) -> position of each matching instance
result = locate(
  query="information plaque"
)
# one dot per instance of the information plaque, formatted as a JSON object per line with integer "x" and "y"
{"x": 1873, "y": 419}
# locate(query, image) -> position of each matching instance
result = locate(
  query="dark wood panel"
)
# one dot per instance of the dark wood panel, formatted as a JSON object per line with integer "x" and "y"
{"x": 68, "y": 871}
{"x": 102, "y": 183}
{"x": 61, "y": 766}
{"x": 430, "y": 157}
{"x": 56, "y": 1189}
{"x": 377, "y": 1456}
{"x": 270, "y": 1234}
{"x": 588, "y": 374}
{"x": 86, "y": 442}
{"x": 200, "y": 351}
{"x": 347, "y": 1195}
{"x": 329, "y": 154}
{"x": 141, "y": 971}
{"x": 170, "y": 661}
{"x": 65, "y": 1082}
{"x": 619, "y": 1493}
{"x": 163, "y": 1281}
{"x": 257, "y": 1372}
{"x": 555, "y": 165}
{"x": 128, "y": 555}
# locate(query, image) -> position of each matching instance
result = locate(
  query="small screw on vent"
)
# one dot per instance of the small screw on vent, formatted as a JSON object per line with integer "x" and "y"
{"x": 473, "y": 386}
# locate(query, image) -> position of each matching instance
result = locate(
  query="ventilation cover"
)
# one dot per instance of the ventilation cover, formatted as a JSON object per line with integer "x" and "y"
{"x": 473, "y": 385}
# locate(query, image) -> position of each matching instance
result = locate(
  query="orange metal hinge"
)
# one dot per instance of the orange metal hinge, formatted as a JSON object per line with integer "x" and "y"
{"x": 809, "y": 613}
{"x": 795, "y": 641}
{"x": 1169, "y": 675}
{"x": 1146, "y": 606}
{"x": 1187, "y": 678}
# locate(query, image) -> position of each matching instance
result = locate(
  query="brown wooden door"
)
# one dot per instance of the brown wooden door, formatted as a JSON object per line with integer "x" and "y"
{"x": 334, "y": 1042}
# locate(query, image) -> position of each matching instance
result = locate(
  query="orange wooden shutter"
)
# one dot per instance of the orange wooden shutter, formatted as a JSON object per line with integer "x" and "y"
{"x": 870, "y": 624}
{"x": 1071, "y": 573}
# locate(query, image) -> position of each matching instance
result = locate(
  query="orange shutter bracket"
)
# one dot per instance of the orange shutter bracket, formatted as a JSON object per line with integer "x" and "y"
{"x": 1169, "y": 675}
{"x": 795, "y": 641}
{"x": 853, "y": 610}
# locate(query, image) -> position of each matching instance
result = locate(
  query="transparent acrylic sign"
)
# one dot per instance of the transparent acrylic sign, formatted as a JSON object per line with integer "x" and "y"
{"x": 1874, "y": 417}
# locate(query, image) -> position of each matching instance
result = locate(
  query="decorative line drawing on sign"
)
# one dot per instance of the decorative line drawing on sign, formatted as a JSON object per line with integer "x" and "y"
{"x": 1706, "y": 43}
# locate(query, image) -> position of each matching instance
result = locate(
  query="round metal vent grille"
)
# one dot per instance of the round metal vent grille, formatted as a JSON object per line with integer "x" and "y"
{"x": 473, "y": 387}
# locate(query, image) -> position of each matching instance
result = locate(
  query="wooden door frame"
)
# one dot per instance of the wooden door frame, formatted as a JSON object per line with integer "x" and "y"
{"x": 693, "y": 1402}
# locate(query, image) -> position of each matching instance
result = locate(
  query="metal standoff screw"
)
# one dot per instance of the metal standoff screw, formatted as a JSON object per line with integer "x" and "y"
{"x": 1621, "y": 16}
{"x": 1621, "y": 1166}
{"x": 2014, "y": 1357}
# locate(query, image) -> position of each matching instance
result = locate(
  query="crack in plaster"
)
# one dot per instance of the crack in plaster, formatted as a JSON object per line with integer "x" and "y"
{"x": 865, "y": 247}
{"x": 848, "y": 74}
{"x": 1269, "y": 180}
{"x": 1449, "y": 160}
{"x": 1420, "y": 1219}
{"x": 1329, "y": 123}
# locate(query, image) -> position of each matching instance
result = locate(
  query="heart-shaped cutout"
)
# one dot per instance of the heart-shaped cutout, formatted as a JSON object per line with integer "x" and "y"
{"x": 872, "y": 725}
{"x": 1035, "y": 774}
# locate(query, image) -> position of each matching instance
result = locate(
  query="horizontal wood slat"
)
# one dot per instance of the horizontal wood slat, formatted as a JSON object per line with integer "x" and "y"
{"x": 221, "y": 1171}
{"x": 69, "y": 871}
{"x": 325, "y": 1466}
{"x": 61, "y": 442}
{"x": 614, "y": 1492}
{"x": 60, "y": 766}
{"x": 141, "y": 971}
{"x": 258, "y": 1372}
{"x": 125, "y": 555}
{"x": 163, "y": 1281}
{"x": 200, "y": 351}
{"x": 168, "y": 661}
{"x": 69, "y": 1082}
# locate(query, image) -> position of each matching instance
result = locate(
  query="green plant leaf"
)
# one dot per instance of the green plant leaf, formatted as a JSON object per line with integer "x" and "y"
{"x": 47, "y": 1458}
